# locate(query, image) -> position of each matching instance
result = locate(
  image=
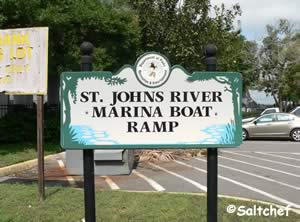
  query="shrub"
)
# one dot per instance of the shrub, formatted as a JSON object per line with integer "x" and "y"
{"x": 19, "y": 125}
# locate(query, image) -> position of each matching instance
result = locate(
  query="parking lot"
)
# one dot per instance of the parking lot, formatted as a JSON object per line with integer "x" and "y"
{"x": 261, "y": 170}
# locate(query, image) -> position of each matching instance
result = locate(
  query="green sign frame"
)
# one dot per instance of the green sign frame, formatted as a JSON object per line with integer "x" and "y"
{"x": 69, "y": 97}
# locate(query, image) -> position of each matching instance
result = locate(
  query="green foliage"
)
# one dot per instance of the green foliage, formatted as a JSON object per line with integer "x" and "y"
{"x": 20, "y": 126}
{"x": 52, "y": 127}
{"x": 17, "y": 126}
{"x": 245, "y": 61}
{"x": 122, "y": 29}
{"x": 178, "y": 32}
{"x": 115, "y": 81}
{"x": 279, "y": 62}
{"x": 19, "y": 14}
{"x": 291, "y": 88}
{"x": 181, "y": 30}
{"x": 251, "y": 114}
{"x": 113, "y": 31}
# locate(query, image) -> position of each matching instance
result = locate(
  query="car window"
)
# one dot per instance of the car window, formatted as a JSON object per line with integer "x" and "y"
{"x": 297, "y": 112}
{"x": 265, "y": 119}
{"x": 270, "y": 111}
{"x": 284, "y": 117}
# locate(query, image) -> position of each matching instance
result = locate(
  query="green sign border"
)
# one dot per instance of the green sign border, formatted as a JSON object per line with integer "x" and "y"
{"x": 234, "y": 79}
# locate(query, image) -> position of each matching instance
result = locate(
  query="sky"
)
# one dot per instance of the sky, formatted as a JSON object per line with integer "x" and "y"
{"x": 256, "y": 14}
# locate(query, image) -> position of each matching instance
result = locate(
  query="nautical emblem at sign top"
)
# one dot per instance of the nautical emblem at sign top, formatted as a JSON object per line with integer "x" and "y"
{"x": 152, "y": 70}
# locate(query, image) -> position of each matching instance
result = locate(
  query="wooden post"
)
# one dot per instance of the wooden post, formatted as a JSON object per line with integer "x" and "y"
{"x": 40, "y": 145}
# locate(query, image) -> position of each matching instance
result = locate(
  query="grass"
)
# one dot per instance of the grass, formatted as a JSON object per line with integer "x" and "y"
{"x": 19, "y": 203}
{"x": 16, "y": 153}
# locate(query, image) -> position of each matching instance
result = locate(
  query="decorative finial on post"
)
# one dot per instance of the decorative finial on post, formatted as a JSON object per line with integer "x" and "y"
{"x": 210, "y": 57}
{"x": 87, "y": 50}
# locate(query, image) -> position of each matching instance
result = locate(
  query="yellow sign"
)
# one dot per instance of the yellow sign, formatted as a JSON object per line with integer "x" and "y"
{"x": 24, "y": 60}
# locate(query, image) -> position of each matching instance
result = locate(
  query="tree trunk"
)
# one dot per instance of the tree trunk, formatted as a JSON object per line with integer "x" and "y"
{"x": 276, "y": 100}
{"x": 280, "y": 103}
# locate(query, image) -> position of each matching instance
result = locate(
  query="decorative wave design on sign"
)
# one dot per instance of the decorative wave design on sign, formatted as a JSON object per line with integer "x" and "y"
{"x": 88, "y": 136}
{"x": 217, "y": 134}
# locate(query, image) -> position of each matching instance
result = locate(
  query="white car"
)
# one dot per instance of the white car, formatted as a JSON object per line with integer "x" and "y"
{"x": 266, "y": 111}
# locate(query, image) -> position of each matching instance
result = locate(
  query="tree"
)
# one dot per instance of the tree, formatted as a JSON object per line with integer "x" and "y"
{"x": 277, "y": 55}
{"x": 113, "y": 31}
{"x": 178, "y": 29}
{"x": 291, "y": 89}
{"x": 181, "y": 30}
{"x": 245, "y": 61}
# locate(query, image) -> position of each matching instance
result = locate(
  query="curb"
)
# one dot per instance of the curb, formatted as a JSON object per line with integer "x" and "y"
{"x": 4, "y": 171}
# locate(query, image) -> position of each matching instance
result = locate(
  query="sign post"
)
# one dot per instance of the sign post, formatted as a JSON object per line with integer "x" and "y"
{"x": 88, "y": 154}
{"x": 24, "y": 71}
{"x": 212, "y": 154}
{"x": 40, "y": 145}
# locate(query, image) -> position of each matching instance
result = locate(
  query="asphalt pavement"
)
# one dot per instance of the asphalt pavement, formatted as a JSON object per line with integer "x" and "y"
{"x": 261, "y": 170}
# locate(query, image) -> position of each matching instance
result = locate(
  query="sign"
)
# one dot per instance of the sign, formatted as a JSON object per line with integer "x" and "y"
{"x": 150, "y": 105}
{"x": 24, "y": 60}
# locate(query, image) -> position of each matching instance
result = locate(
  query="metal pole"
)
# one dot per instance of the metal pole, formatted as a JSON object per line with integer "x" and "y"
{"x": 40, "y": 145}
{"x": 212, "y": 153}
{"x": 88, "y": 155}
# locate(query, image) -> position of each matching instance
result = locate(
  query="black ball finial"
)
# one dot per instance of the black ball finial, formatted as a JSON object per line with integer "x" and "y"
{"x": 210, "y": 50}
{"x": 86, "y": 48}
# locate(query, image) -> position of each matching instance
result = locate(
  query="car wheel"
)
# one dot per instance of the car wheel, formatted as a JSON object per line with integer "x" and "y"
{"x": 295, "y": 135}
{"x": 244, "y": 134}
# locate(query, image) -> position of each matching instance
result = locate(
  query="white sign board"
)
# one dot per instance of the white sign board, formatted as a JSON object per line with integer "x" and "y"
{"x": 24, "y": 60}
{"x": 150, "y": 105}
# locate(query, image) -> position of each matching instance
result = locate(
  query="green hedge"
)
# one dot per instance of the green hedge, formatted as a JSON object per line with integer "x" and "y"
{"x": 251, "y": 114}
{"x": 19, "y": 125}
